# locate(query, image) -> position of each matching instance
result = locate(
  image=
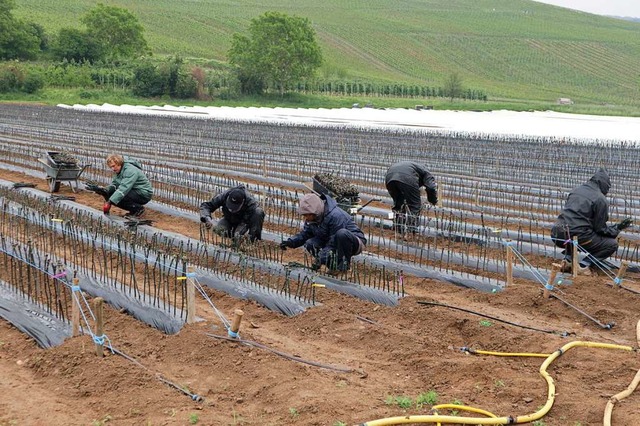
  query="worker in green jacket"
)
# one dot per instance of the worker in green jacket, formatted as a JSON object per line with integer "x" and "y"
{"x": 130, "y": 189}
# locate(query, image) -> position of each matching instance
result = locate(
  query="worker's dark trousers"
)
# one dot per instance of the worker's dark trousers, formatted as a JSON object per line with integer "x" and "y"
{"x": 231, "y": 226}
{"x": 598, "y": 247}
{"x": 132, "y": 202}
{"x": 346, "y": 245}
{"x": 405, "y": 194}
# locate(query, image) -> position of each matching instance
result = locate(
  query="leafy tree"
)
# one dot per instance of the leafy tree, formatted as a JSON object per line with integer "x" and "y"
{"x": 117, "y": 31}
{"x": 76, "y": 45}
{"x": 453, "y": 86}
{"x": 280, "y": 51}
{"x": 17, "y": 40}
{"x": 170, "y": 78}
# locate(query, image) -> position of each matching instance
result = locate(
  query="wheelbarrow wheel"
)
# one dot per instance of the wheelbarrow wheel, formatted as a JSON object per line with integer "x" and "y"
{"x": 54, "y": 185}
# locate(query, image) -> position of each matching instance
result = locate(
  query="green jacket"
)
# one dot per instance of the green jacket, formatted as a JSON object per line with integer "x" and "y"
{"x": 130, "y": 178}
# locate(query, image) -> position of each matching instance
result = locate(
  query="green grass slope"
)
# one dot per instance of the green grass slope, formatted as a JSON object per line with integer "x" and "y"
{"x": 515, "y": 49}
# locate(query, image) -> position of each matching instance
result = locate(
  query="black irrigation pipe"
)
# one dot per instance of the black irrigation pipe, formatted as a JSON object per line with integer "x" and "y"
{"x": 607, "y": 326}
{"x": 193, "y": 396}
{"x": 288, "y": 356}
{"x": 559, "y": 333}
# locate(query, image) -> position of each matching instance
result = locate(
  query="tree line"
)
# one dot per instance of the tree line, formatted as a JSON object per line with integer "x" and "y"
{"x": 278, "y": 54}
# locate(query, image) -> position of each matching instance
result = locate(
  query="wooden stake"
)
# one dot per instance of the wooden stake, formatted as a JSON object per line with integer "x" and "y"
{"x": 99, "y": 312}
{"x": 552, "y": 279}
{"x": 621, "y": 271}
{"x": 75, "y": 309}
{"x": 509, "y": 264}
{"x": 191, "y": 295}
{"x": 575, "y": 263}
{"x": 235, "y": 325}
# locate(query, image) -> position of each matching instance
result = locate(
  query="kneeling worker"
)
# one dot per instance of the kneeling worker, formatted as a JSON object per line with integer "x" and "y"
{"x": 130, "y": 189}
{"x": 241, "y": 213}
{"x": 584, "y": 216}
{"x": 329, "y": 234}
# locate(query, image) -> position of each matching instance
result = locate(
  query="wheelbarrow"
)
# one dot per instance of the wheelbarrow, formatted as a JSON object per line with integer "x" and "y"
{"x": 343, "y": 192}
{"x": 61, "y": 168}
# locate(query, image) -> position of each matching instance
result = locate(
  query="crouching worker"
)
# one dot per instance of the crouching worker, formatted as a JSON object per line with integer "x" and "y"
{"x": 584, "y": 216}
{"x": 329, "y": 234}
{"x": 403, "y": 181}
{"x": 130, "y": 188}
{"x": 241, "y": 213}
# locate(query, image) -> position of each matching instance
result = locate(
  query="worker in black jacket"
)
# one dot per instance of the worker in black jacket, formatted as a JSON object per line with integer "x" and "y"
{"x": 241, "y": 213}
{"x": 403, "y": 182}
{"x": 585, "y": 215}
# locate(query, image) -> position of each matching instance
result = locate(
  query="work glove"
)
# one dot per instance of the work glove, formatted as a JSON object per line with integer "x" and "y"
{"x": 242, "y": 229}
{"x": 285, "y": 244}
{"x": 106, "y": 208}
{"x": 432, "y": 198}
{"x": 91, "y": 187}
{"x": 207, "y": 221}
{"x": 624, "y": 224}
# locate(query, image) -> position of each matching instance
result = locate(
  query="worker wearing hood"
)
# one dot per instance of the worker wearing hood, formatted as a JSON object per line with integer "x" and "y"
{"x": 329, "y": 233}
{"x": 585, "y": 216}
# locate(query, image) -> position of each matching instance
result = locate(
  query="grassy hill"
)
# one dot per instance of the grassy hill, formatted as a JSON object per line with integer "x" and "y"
{"x": 516, "y": 49}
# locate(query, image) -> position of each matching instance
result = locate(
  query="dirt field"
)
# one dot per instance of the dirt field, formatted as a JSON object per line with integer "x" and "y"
{"x": 400, "y": 360}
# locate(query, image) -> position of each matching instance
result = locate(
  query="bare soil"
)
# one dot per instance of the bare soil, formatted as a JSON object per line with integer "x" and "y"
{"x": 389, "y": 352}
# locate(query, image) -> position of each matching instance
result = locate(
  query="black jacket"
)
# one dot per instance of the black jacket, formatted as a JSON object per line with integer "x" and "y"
{"x": 333, "y": 219}
{"x": 242, "y": 216}
{"x": 586, "y": 210}
{"x": 413, "y": 174}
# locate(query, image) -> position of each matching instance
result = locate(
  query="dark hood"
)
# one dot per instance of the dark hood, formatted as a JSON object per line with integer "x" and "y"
{"x": 601, "y": 178}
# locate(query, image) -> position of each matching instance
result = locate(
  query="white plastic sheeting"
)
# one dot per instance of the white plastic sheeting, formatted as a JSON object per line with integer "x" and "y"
{"x": 547, "y": 123}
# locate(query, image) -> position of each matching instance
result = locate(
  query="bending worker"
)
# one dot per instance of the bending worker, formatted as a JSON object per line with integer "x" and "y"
{"x": 241, "y": 213}
{"x": 403, "y": 181}
{"x": 130, "y": 188}
{"x": 329, "y": 234}
{"x": 585, "y": 215}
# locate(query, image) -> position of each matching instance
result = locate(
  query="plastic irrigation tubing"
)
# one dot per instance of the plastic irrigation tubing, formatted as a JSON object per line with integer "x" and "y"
{"x": 559, "y": 333}
{"x": 625, "y": 393}
{"x": 193, "y": 396}
{"x": 287, "y": 356}
{"x": 607, "y": 326}
{"x": 505, "y": 420}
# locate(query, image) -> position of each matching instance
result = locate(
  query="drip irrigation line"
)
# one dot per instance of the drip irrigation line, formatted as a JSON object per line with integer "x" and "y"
{"x": 559, "y": 333}
{"x": 200, "y": 288}
{"x": 630, "y": 290}
{"x": 607, "y": 326}
{"x": 288, "y": 356}
{"x": 193, "y": 396}
{"x": 365, "y": 319}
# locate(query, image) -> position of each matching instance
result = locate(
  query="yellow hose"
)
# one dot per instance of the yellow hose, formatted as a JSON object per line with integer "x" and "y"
{"x": 551, "y": 394}
{"x": 535, "y": 355}
{"x": 608, "y": 411}
{"x": 463, "y": 408}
